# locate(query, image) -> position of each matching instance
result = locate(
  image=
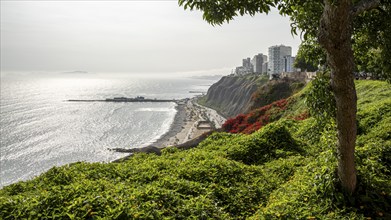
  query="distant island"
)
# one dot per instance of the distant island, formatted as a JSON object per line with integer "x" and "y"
{"x": 76, "y": 72}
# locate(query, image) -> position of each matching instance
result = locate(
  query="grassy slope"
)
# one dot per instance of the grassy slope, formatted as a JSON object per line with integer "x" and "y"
{"x": 284, "y": 170}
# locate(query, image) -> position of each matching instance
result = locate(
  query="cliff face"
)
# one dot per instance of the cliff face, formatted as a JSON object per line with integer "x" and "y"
{"x": 231, "y": 95}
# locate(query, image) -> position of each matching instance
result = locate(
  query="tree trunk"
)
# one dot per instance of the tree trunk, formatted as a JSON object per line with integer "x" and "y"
{"x": 335, "y": 36}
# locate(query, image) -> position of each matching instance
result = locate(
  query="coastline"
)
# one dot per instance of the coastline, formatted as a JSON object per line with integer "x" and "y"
{"x": 190, "y": 122}
{"x": 175, "y": 128}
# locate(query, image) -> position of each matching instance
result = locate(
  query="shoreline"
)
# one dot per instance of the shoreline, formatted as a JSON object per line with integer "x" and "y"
{"x": 190, "y": 122}
{"x": 176, "y": 127}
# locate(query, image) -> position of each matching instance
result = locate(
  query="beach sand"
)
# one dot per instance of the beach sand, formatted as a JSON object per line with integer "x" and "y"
{"x": 191, "y": 121}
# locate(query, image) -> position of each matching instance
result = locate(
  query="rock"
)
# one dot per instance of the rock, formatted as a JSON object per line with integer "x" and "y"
{"x": 148, "y": 150}
{"x": 231, "y": 95}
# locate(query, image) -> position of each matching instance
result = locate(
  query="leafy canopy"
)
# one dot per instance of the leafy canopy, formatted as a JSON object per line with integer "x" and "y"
{"x": 218, "y": 12}
{"x": 304, "y": 14}
{"x": 372, "y": 42}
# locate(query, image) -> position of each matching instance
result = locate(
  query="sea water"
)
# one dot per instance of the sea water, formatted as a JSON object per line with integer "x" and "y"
{"x": 39, "y": 129}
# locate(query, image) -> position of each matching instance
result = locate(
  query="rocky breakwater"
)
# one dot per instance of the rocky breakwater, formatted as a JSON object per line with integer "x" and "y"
{"x": 231, "y": 95}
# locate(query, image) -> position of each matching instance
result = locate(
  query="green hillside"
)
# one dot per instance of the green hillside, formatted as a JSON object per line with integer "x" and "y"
{"x": 285, "y": 170}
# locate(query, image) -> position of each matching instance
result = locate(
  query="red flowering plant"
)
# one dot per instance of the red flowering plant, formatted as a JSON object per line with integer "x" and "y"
{"x": 253, "y": 127}
{"x": 282, "y": 104}
{"x": 302, "y": 116}
{"x": 234, "y": 125}
{"x": 256, "y": 119}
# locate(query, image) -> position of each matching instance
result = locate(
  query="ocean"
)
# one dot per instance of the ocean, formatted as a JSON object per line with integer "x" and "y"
{"x": 39, "y": 129}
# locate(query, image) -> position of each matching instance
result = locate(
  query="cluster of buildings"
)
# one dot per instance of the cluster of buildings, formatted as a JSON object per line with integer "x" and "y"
{"x": 280, "y": 61}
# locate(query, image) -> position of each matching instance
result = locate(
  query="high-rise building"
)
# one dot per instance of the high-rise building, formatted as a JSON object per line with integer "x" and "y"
{"x": 258, "y": 62}
{"x": 288, "y": 64}
{"x": 248, "y": 65}
{"x": 264, "y": 67}
{"x": 276, "y": 63}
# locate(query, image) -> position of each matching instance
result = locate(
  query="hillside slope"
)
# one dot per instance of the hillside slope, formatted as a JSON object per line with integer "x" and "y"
{"x": 285, "y": 170}
{"x": 233, "y": 95}
{"x": 292, "y": 107}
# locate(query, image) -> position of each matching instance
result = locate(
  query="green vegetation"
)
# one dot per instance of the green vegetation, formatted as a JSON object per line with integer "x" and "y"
{"x": 344, "y": 31}
{"x": 275, "y": 90}
{"x": 285, "y": 170}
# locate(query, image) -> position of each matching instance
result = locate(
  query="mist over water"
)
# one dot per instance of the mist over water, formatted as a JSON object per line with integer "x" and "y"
{"x": 39, "y": 129}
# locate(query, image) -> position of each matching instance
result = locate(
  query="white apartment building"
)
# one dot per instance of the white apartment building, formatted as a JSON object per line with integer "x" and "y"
{"x": 277, "y": 62}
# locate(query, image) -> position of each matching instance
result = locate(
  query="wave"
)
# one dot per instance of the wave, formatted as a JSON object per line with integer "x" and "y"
{"x": 155, "y": 110}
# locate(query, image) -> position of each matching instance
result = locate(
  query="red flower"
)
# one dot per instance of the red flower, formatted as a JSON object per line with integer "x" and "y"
{"x": 258, "y": 118}
{"x": 304, "y": 115}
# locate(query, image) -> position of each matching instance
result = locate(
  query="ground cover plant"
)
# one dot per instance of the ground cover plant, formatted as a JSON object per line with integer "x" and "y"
{"x": 285, "y": 170}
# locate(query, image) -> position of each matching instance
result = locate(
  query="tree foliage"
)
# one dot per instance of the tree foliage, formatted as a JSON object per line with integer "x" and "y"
{"x": 218, "y": 12}
{"x": 372, "y": 42}
{"x": 310, "y": 56}
{"x": 320, "y": 99}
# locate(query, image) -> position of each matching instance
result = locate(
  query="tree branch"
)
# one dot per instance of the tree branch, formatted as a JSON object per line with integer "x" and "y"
{"x": 364, "y": 5}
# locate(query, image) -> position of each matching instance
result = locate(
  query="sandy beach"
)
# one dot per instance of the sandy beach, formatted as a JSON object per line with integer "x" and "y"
{"x": 191, "y": 121}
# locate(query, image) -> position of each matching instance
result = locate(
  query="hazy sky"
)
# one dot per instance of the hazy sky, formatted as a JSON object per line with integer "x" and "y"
{"x": 130, "y": 36}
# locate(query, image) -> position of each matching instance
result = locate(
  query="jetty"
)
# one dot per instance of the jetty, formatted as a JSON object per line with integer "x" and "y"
{"x": 194, "y": 91}
{"x": 125, "y": 99}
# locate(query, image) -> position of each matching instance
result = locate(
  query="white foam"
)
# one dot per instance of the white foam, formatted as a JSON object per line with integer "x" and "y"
{"x": 154, "y": 110}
